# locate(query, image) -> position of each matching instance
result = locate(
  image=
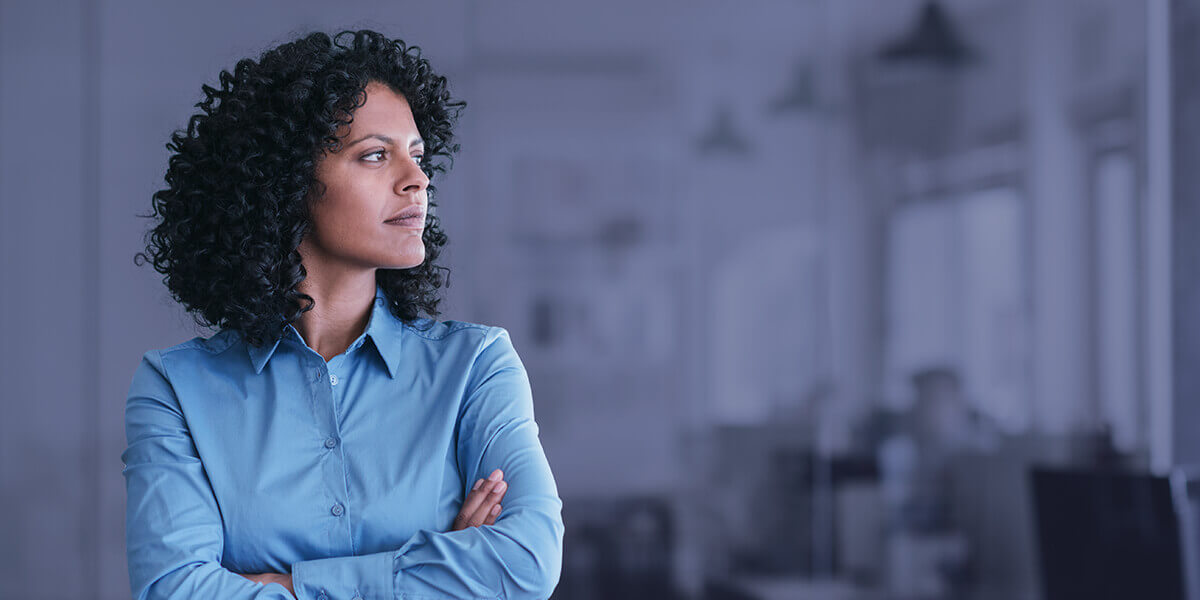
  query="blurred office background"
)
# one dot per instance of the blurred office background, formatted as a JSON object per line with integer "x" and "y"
{"x": 833, "y": 299}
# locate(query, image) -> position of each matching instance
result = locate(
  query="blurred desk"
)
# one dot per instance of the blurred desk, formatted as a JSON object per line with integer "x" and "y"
{"x": 793, "y": 588}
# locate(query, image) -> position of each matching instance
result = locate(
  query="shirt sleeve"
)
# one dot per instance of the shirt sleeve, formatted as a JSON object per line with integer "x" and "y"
{"x": 518, "y": 557}
{"x": 174, "y": 537}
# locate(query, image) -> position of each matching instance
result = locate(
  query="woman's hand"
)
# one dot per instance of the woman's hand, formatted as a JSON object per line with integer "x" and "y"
{"x": 265, "y": 578}
{"x": 482, "y": 503}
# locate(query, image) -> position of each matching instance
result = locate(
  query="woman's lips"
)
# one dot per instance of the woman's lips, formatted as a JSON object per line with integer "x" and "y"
{"x": 417, "y": 222}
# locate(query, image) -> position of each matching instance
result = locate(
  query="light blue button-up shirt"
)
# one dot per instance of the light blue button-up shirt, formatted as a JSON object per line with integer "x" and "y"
{"x": 347, "y": 474}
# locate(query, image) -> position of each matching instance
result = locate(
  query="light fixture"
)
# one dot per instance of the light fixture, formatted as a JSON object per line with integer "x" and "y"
{"x": 722, "y": 137}
{"x": 799, "y": 96}
{"x": 932, "y": 39}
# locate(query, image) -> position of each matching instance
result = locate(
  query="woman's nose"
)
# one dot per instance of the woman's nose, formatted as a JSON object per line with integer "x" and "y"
{"x": 413, "y": 179}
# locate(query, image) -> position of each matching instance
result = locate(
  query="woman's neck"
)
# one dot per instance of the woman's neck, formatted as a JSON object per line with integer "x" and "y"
{"x": 342, "y": 310}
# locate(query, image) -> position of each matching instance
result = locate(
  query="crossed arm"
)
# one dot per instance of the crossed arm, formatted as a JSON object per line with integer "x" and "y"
{"x": 174, "y": 535}
{"x": 481, "y": 507}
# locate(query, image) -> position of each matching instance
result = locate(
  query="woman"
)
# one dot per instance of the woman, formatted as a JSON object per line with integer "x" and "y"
{"x": 328, "y": 442}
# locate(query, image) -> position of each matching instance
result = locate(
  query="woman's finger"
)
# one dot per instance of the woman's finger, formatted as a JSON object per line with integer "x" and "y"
{"x": 479, "y": 498}
{"x": 476, "y": 498}
{"x": 478, "y": 494}
{"x": 495, "y": 512}
{"x": 477, "y": 513}
{"x": 493, "y": 499}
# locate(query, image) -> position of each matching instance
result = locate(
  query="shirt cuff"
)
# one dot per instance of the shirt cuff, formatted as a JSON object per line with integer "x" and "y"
{"x": 366, "y": 577}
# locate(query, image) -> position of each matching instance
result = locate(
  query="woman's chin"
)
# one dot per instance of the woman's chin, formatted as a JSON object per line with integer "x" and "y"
{"x": 407, "y": 262}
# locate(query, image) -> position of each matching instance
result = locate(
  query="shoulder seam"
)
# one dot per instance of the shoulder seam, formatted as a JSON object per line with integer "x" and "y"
{"x": 180, "y": 346}
{"x": 458, "y": 326}
{"x": 199, "y": 344}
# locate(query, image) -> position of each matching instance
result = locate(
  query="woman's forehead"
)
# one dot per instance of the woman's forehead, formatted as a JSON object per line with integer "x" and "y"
{"x": 385, "y": 115}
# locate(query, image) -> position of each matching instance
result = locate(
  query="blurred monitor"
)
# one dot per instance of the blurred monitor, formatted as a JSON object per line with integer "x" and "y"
{"x": 1185, "y": 490}
{"x": 1114, "y": 534}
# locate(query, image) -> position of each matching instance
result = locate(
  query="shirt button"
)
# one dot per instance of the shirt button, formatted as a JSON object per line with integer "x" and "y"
{"x": 337, "y": 510}
{"x": 333, "y": 378}
{"x": 330, "y": 442}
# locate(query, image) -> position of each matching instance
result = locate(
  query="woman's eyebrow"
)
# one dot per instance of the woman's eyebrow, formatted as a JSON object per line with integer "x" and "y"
{"x": 387, "y": 140}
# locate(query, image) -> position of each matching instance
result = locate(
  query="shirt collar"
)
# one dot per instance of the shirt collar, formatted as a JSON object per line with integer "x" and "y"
{"x": 385, "y": 331}
{"x": 383, "y": 328}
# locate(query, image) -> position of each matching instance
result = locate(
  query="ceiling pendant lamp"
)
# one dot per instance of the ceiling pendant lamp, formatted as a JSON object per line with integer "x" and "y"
{"x": 932, "y": 39}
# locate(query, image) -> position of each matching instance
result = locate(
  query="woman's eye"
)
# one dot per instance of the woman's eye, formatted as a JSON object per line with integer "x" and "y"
{"x": 418, "y": 158}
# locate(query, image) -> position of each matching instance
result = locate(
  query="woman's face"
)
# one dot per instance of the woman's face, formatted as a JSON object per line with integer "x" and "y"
{"x": 374, "y": 177}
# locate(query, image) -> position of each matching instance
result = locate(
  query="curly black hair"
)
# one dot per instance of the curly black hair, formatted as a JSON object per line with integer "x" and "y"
{"x": 239, "y": 180}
